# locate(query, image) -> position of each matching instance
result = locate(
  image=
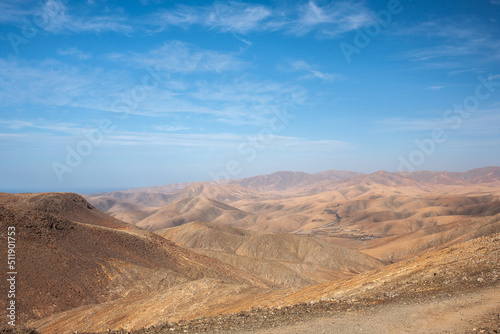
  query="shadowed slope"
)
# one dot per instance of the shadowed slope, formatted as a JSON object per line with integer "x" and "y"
{"x": 387, "y": 215}
{"x": 286, "y": 260}
{"x": 64, "y": 264}
{"x": 293, "y": 181}
{"x": 138, "y": 205}
{"x": 66, "y": 205}
{"x": 455, "y": 270}
{"x": 226, "y": 193}
{"x": 198, "y": 208}
{"x": 122, "y": 210}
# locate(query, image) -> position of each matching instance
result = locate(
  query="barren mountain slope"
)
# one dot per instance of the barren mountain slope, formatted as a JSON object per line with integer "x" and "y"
{"x": 388, "y": 215}
{"x": 486, "y": 175}
{"x": 109, "y": 204}
{"x": 295, "y": 208}
{"x": 452, "y": 271}
{"x": 162, "y": 195}
{"x": 299, "y": 182}
{"x": 66, "y": 205}
{"x": 165, "y": 189}
{"x": 278, "y": 181}
{"x": 135, "y": 205}
{"x": 122, "y": 210}
{"x": 198, "y": 208}
{"x": 286, "y": 260}
{"x": 303, "y": 183}
{"x": 226, "y": 193}
{"x": 64, "y": 264}
{"x": 145, "y": 198}
{"x": 406, "y": 220}
{"x": 426, "y": 180}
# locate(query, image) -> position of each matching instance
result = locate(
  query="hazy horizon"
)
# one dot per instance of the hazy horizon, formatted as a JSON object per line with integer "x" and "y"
{"x": 105, "y": 95}
{"x": 96, "y": 190}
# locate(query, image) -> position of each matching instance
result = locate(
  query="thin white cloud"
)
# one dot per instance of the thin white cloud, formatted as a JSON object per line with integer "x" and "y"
{"x": 183, "y": 16}
{"x": 62, "y": 21}
{"x": 311, "y": 71}
{"x": 56, "y": 17}
{"x": 51, "y": 84}
{"x": 226, "y": 143}
{"x": 15, "y": 124}
{"x": 407, "y": 124}
{"x": 237, "y": 17}
{"x": 180, "y": 57}
{"x": 11, "y": 12}
{"x": 68, "y": 128}
{"x": 148, "y": 2}
{"x": 480, "y": 122}
{"x": 170, "y": 128}
{"x": 72, "y": 51}
{"x": 237, "y": 102}
{"x": 435, "y": 87}
{"x": 465, "y": 70}
{"x": 244, "y": 90}
{"x": 232, "y": 16}
{"x": 450, "y": 42}
{"x": 332, "y": 20}
{"x": 243, "y": 18}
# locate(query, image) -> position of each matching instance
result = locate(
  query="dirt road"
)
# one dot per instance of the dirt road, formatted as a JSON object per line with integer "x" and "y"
{"x": 473, "y": 312}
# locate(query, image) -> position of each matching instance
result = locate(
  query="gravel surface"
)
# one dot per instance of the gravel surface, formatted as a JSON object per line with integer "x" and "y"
{"x": 476, "y": 311}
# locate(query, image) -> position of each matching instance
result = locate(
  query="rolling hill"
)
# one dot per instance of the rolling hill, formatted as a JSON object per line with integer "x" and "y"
{"x": 122, "y": 210}
{"x": 454, "y": 271}
{"x": 387, "y": 215}
{"x": 198, "y": 208}
{"x": 65, "y": 205}
{"x": 292, "y": 241}
{"x": 65, "y": 262}
{"x": 293, "y": 181}
{"x": 284, "y": 259}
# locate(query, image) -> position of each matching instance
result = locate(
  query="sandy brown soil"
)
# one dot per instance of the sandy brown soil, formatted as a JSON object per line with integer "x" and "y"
{"x": 106, "y": 274}
{"x": 286, "y": 260}
{"x": 390, "y": 216}
{"x": 476, "y": 311}
{"x": 64, "y": 264}
{"x": 454, "y": 290}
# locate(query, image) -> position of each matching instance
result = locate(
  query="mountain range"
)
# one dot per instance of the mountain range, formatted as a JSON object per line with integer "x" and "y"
{"x": 387, "y": 215}
{"x": 184, "y": 255}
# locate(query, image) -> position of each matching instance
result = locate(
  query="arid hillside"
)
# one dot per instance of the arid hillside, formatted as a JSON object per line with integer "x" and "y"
{"x": 198, "y": 208}
{"x": 122, "y": 210}
{"x": 65, "y": 263}
{"x": 65, "y": 205}
{"x": 293, "y": 181}
{"x": 391, "y": 216}
{"x": 225, "y": 255}
{"x": 454, "y": 271}
{"x": 287, "y": 260}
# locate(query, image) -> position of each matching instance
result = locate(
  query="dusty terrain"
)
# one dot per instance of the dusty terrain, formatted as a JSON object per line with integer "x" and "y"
{"x": 391, "y": 216}
{"x": 448, "y": 291}
{"x": 471, "y": 312}
{"x": 287, "y": 260}
{"x": 467, "y": 267}
{"x": 65, "y": 264}
{"x": 288, "y": 252}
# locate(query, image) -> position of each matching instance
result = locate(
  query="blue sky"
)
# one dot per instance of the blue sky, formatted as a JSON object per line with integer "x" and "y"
{"x": 102, "y": 95}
